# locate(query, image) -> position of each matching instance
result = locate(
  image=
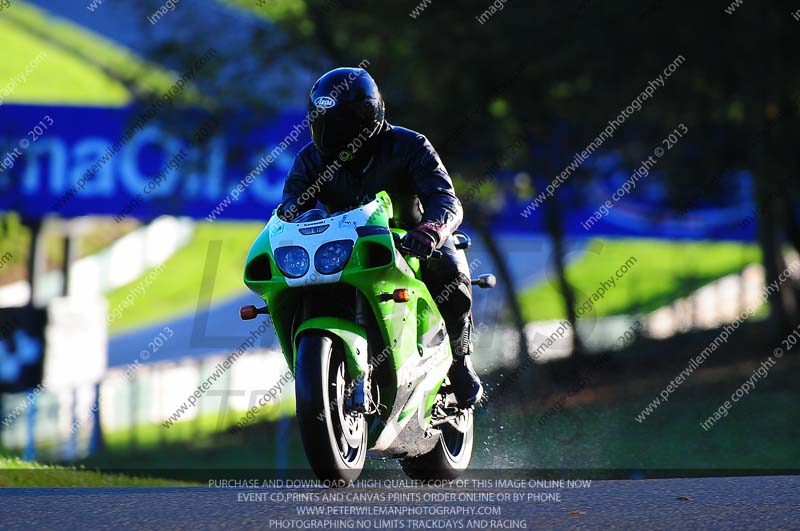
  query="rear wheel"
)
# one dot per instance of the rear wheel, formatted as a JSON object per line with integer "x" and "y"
{"x": 334, "y": 437}
{"x": 451, "y": 455}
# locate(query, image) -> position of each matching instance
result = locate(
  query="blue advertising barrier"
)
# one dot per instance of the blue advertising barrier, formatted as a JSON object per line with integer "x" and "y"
{"x": 125, "y": 162}
{"x": 21, "y": 348}
{"x": 611, "y": 203}
{"x": 74, "y": 161}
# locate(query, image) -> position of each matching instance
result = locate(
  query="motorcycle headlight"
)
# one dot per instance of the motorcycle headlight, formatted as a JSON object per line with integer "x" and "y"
{"x": 333, "y": 256}
{"x": 293, "y": 261}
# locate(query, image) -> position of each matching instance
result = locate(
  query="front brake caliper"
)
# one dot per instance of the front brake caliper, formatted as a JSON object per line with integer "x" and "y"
{"x": 361, "y": 395}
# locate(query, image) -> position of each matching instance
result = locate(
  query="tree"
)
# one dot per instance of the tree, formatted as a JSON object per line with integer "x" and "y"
{"x": 474, "y": 86}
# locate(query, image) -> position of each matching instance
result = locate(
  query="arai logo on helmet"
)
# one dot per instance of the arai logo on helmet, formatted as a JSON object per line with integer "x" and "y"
{"x": 324, "y": 102}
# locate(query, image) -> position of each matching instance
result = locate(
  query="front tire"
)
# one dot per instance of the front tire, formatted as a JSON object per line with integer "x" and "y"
{"x": 451, "y": 455}
{"x": 335, "y": 439}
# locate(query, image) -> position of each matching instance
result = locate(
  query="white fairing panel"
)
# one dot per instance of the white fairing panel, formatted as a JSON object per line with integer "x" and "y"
{"x": 341, "y": 227}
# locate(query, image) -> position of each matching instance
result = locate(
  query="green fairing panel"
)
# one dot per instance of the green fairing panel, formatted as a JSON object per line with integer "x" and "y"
{"x": 353, "y": 337}
{"x": 274, "y": 292}
{"x": 383, "y": 214}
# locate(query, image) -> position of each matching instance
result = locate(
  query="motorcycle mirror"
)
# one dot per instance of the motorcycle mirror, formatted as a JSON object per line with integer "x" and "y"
{"x": 485, "y": 281}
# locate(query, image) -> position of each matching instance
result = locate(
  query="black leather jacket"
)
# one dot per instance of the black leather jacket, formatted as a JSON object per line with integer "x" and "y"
{"x": 404, "y": 163}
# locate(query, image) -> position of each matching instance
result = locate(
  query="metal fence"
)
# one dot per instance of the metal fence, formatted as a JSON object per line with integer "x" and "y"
{"x": 147, "y": 406}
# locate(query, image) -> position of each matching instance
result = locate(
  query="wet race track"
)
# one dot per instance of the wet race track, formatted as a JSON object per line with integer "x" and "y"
{"x": 706, "y": 503}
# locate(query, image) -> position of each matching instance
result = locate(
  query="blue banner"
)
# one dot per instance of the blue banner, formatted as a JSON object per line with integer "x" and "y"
{"x": 133, "y": 162}
{"x": 74, "y": 161}
{"x": 21, "y": 348}
{"x": 615, "y": 200}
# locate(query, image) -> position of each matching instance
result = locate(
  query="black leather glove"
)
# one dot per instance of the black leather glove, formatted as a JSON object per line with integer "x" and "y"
{"x": 419, "y": 243}
{"x": 288, "y": 210}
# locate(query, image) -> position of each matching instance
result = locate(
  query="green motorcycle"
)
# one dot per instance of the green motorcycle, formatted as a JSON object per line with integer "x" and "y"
{"x": 365, "y": 340}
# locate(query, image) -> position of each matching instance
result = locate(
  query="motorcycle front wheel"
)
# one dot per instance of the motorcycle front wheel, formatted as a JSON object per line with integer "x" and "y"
{"x": 334, "y": 438}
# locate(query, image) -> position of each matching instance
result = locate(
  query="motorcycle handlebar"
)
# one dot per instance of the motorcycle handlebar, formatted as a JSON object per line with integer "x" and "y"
{"x": 399, "y": 243}
{"x": 436, "y": 254}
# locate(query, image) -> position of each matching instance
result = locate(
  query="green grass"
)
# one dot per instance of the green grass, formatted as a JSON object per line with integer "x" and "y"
{"x": 17, "y": 473}
{"x": 194, "y": 431}
{"x": 177, "y": 289}
{"x": 79, "y": 67}
{"x": 206, "y": 443}
{"x": 760, "y": 431}
{"x": 663, "y": 272}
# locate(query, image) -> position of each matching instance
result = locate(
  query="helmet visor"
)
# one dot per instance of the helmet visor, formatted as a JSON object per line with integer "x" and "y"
{"x": 342, "y": 129}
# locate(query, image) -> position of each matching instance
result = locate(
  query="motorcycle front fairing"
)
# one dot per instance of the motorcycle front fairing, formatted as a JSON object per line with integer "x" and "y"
{"x": 413, "y": 335}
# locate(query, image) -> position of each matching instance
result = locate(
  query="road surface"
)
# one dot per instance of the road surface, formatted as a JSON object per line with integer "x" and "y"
{"x": 706, "y": 503}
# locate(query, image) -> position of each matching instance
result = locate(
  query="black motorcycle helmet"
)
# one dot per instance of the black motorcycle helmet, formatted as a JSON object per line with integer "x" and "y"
{"x": 346, "y": 112}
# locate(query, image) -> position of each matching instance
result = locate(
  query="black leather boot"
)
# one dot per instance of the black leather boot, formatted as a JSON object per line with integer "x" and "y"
{"x": 466, "y": 385}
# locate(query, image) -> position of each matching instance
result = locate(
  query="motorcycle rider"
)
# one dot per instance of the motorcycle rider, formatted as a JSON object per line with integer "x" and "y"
{"x": 356, "y": 153}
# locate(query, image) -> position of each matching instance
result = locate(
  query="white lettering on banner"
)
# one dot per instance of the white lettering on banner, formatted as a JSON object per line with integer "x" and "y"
{"x": 86, "y": 152}
{"x": 131, "y": 176}
{"x": 53, "y": 152}
{"x": 53, "y": 165}
{"x": 207, "y": 181}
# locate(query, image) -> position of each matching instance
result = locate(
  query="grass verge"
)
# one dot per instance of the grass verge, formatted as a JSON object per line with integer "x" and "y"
{"x": 759, "y": 434}
{"x": 17, "y": 473}
{"x": 198, "y": 431}
{"x": 78, "y": 67}
{"x": 663, "y": 272}
{"x": 176, "y": 289}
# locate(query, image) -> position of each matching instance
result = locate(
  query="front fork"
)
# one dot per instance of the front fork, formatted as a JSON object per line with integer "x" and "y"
{"x": 361, "y": 397}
